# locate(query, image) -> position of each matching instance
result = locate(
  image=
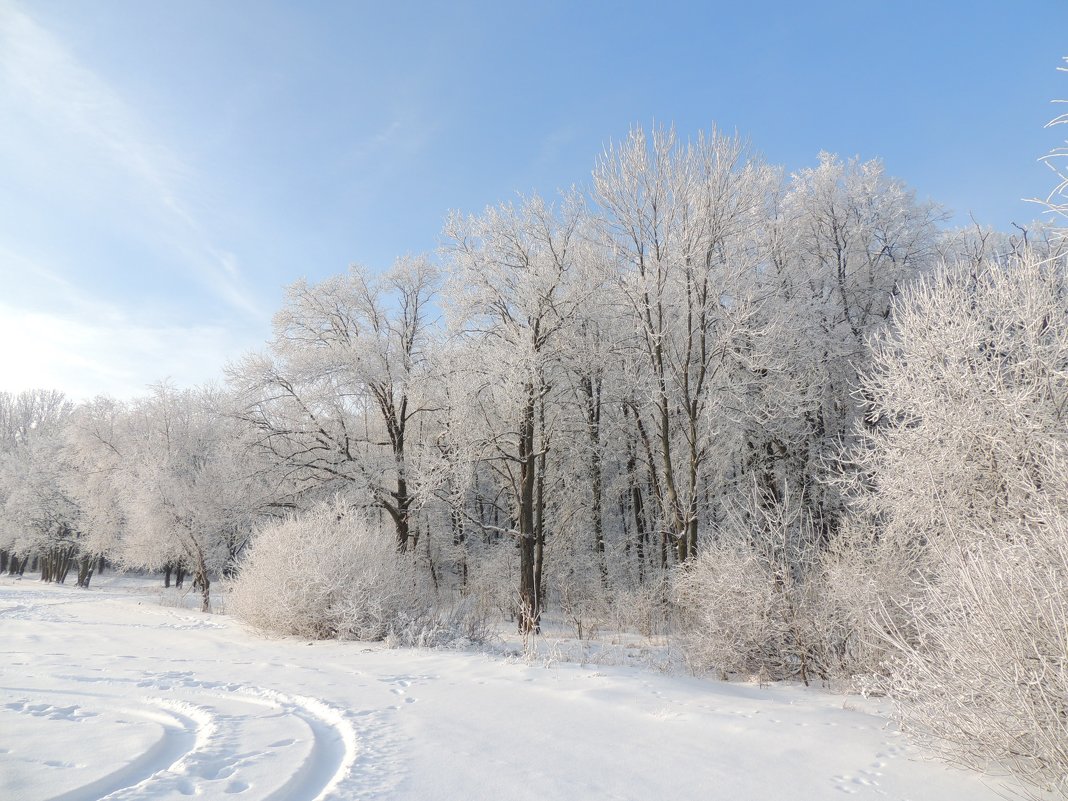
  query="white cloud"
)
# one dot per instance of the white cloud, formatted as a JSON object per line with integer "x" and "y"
{"x": 111, "y": 354}
{"x": 47, "y": 83}
{"x": 59, "y": 337}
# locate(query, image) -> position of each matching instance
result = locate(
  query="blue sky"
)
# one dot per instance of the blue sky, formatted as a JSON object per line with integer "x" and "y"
{"x": 167, "y": 167}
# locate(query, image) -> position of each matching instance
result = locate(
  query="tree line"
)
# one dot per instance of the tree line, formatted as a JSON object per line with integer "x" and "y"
{"x": 790, "y": 412}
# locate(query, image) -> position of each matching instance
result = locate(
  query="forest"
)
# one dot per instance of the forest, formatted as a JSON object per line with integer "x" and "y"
{"x": 788, "y": 421}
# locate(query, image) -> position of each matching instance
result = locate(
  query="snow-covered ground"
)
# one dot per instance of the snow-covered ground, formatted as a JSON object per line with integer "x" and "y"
{"x": 107, "y": 694}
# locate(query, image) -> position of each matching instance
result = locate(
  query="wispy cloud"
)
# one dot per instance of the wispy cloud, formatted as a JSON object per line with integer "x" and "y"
{"x": 86, "y": 346}
{"x": 112, "y": 355}
{"x": 49, "y": 83}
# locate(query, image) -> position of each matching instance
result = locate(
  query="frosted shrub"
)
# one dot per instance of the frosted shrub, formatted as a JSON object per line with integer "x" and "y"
{"x": 643, "y": 608}
{"x": 966, "y": 471}
{"x": 969, "y": 386}
{"x": 458, "y": 625}
{"x": 491, "y": 579}
{"x": 327, "y": 573}
{"x": 731, "y": 613}
{"x": 863, "y": 580}
{"x": 747, "y": 601}
{"x": 584, "y": 607}
{"x": 986, "y": 680}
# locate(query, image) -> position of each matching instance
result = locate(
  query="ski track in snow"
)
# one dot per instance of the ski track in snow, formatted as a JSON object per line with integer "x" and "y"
{"x": 209, "y": 735}
{"x": 211, "y": 739}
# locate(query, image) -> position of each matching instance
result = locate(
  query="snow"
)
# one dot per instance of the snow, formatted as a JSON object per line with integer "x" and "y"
{"x": 106, "y": 693}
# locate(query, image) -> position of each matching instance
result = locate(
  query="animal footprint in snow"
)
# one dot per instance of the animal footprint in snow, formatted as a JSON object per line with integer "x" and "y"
{"x": 850, "y": 784}
{"x": 844, "y": 784}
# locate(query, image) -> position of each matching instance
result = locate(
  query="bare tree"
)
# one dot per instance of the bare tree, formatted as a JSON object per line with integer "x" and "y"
{"x": 683, "y": 224}
{"x": 513, "y": 295}
{"x": 334, "y": 400}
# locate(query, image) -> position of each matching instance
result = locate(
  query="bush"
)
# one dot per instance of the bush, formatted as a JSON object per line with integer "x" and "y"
{"x": 863, "y": 578}
{"x": 643, "y": 609}
{"x": 492, "y": 579}
{"x": 747, "y": 602}
{"x": 324, "y": 574}
{"x": 967, "y": 472}
{"x": 984, "y": 679}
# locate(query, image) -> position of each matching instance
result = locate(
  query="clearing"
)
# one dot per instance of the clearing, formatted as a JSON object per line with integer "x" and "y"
{"x": 104, "y": 693}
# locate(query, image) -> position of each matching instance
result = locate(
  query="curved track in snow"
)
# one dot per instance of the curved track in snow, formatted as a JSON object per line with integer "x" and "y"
{"x": 195, "y": 739}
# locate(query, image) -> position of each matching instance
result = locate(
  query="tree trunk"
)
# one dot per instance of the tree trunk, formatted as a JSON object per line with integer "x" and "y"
{"x": 459, "y": 538}
{"x": 592, "y": 390}
{"x": 85, "y": 571}
{"x": 641, "y": 537}
{"x": 529, "y": 602}
{"x": 402, "y": 519}
{"x": 203, "y": 583}
{"x": 63, "y": 560}
{"x": 539, "y": 512}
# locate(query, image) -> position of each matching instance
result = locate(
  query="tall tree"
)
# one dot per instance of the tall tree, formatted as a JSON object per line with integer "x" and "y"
{"x": 334, "y": 400}
{"x": 38, "y": 515}
{"x": 513, "y": 298}
{"x": 684, "y": 224}
{"x": 184, "y": 489}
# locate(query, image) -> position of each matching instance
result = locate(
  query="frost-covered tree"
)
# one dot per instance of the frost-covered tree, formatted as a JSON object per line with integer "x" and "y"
{"x": 334, "y": 400}
{"x": 683, "y": 224}
{"x": 176, "y": 479}
{"x": 513, "y": 299}
{"x": 91, "y": 448}
{"x": 845, "y": 239}
{"x": 38, "y": 515}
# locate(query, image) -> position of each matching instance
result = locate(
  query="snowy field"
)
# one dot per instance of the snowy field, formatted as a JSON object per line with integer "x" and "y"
{"x": 108, "y": 694}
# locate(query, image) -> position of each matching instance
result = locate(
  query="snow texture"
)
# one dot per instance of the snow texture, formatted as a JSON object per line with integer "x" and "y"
{"x": 106, "y": 694}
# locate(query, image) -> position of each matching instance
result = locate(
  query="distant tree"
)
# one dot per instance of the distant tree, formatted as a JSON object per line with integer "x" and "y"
{"x": 38, "y": 516}
{"x": 683, "y": 224}
{"x": 182, "y": 488}
{"x": 846, "y": 238}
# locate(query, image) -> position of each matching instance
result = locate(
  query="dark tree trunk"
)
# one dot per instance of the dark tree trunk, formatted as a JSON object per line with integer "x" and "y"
{"x": 403, "y": 518}
{"x": 592, "y": 391}
{"x": 63, "y": 558}
{"x": 459, "y": 540}
{"x": 202, "y": 582}
{"x": 539, "y": 515}
{"x": 529, "y": 602}
{"x": 641, "y": 537}
{"x": 85, "y": 571}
